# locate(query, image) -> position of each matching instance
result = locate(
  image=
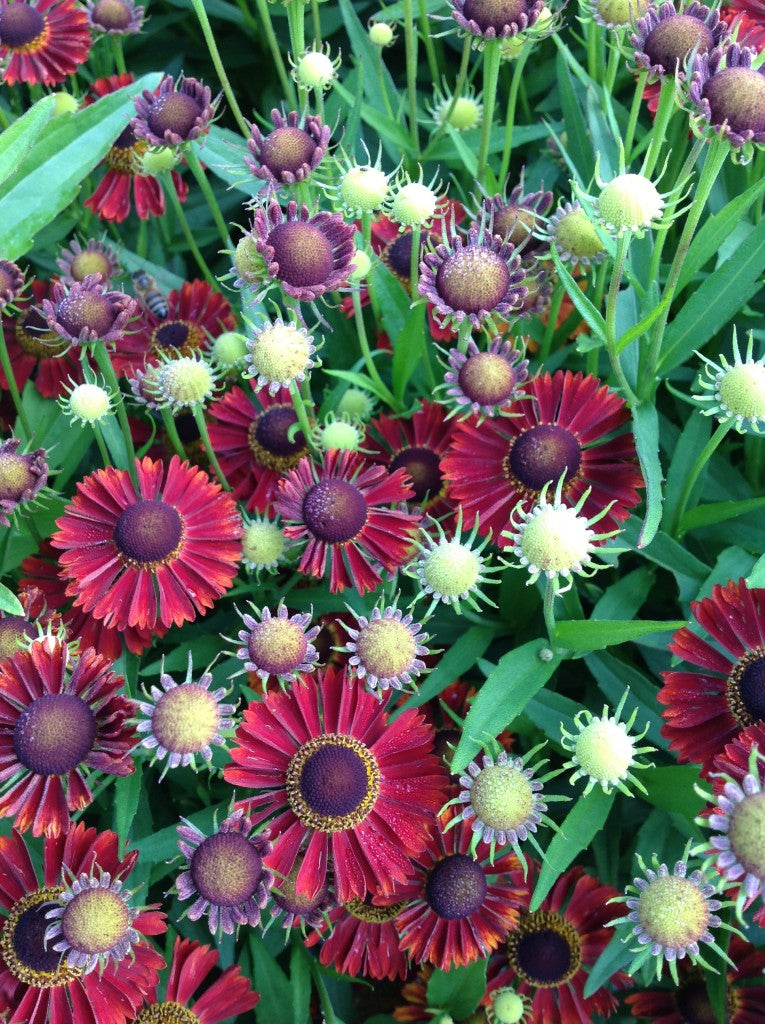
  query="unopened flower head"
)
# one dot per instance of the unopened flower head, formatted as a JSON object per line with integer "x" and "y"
{"x": 263, "y": 544}
{"x": 554, "y": 540}
{"x": 362, "y": 188}
{"x": 229, "y": 350}
{"x": 157, "y": 160}
{"x": 735, "y": 392}
{"x": 386, "y": 649}
{"x": 341, "y": 433}
{"x": 485, "y": 383}
{"x": 603, "y": 751}
{"x": 506, "y": 1006}
{"x": 356, "y": 403}
{"x": 616, "y": 14}
{"x": 462, "y": 113}
{"x": 362, "y": 264}
{"x": 315, "y": 68}
{"x": 574, "y": 236}
{"x": 77, "y": 261}
{"x": 278, "y": 645}
{"x": 86, "y": 403}
{"x": 186, "y": 382}
{"x": 496, "y": 19}
{"x": 665, "y": 37}
{"x": 411, "y": 203}
{"x": 279, "y": 354}
{"x": 727, "y": 96}
{"x": 381, "y": 34}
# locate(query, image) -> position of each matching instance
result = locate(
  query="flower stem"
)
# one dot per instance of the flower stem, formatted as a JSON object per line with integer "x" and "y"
{"x": 316, "y": 21}
{"x": 172, "y": 432}
{"x": 266, "y": 24}
{"x": 491, "y": 58}
{"x": 464, "y": 335}
{"x": 206, "y": 189}
{"x": 664, "y": 112}
{"x": 629, "y": 135}
{"x": 459, "y": 85}
{"x": 104, "y": 362}
{"x": 380, "y": 63}
{"x": 302, "y": 414}
{"x": 366, "y": 353}
{"x": 410, "y": 45}
{"x": 430, "y": 49}
{"x": 414, "y": 262}
{"x": 548, "y": 608}
{"x": 118, "y": 55}
{"x": 690, "y": 481}
{"x": 199, "y": 419}
{"x": 5, "y": 361}
{"x": 512, "y": 100}
{"x": 296, "y": 22}
{"x": 175, "y": 202}
{"x": 212, "y": 48}
{"x": 622, "y": 248}
{"x": 101, "y": 445}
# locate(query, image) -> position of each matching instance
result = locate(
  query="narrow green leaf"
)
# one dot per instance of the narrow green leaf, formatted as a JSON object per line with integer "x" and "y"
{"x": 614, "y": 677}
{"x": 408, "y": 349}
{"x": 18, "y": 138}
{"x": 589, "y": 313}
{"x": 458, "y": 991}
{"x": 394, "y": 301}
{"x": 596, "y": 634}
{"x": 717, "y": 512}
{"x": 223, "y": 154}
{"x": 586, "y": 817}
{"x": 515, "y": 680}
{"x": 462, "y": 655}
{"x": 360, "y": 380}
{"x": 127, "y": 793}
{"x": 641, "y": 326}
{"x": 672, "y": 789}
{"x": 300, "y": 981}
{"x": 578, "y": 142}
{"x": 9, "y": 602}
{"x": 623, "y": 599}
{"x": 615, "y": 957}
{"x": 272, "y": 983}
{"x": 646, "y": 425}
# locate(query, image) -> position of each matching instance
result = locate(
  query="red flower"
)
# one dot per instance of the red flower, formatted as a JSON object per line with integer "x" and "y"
{"x": 250, "y": 436}
{"x": 162, "y": 555}
{"x": 229, "y": 995}
{"x": 339, "y": 783}
{"x": 705, "y": 709}
{"x": 565, "y": 427}
{"x": 733, "y": 760}
{"x": 690, "y": 1002}
{"x": 58, "y": 713}
{"x": 416, "y": 445}
{"x": 43, "y": 41}
{"x": 548, "y": 955}
{"x": 36, "y": 985}
{"x": 749, "y": 17}
{"x": 457, "y": 908}
{"x": 363, "y": 942}
{"x": 335, "y": 508}
{"x": 112, "y": 198}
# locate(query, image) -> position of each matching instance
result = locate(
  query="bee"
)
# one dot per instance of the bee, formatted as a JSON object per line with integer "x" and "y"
{"x": 148, "y": 292}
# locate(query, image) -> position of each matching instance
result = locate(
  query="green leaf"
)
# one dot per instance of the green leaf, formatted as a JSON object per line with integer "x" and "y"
{"x": 624, "y": 598}
{"x": 300, "y": 981}
{"x": 717, "y": 512}
{"x": 127, "y": 793}
{"x": 515, "y": 680}
{"x": 586, "y": 817}
{"x": 272, "y": 983}
{"x": 589, "y": 313}
{"x": 462, "y": 655}
{"x": 459, "y": 990}
{"x": 9, "y": 602}
{"x": 672, "y": 789}
{"x": 715, "y": 301}
{"x": 641, "y": 326}
{"x": 360, "y": 380}
{"x": 408, "y": 349}
{"x": 50, "y": 176}
{"x": 646, "y": 425}
{"x": 615, "y": 957}
{"x": 18, "y": 139}
{"x": 613, "y": 678}
{"x": 223, "y": 154}
{"x": 756, "y": 578}
{"x": 578, "y": 144}
{"x": 596, "y": 634}
{"x": 394, "y": 301}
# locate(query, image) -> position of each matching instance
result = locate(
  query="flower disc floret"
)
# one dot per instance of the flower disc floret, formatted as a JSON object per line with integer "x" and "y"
{"x": 185, "y": 383}
{"x": 340, "y": 433}
{"x": 506, "y": 1006}
{"x": 315, "y": 69}
{"x": 87, "y": 312}
{"x": 486, "y": 383}
{"x": 115, "y": 17}
{"x": 728, "y": 94}
{"x": 279, "y": 645}
{"x": 452, "y": 570}
{"x": 279, "y": 353}
{"x": 630, "y": 202}
{"x": 496, "y": 19}
{"x": 735, "y": 391}
{"x": 263, "y": 544}
{"x": 664, "y": 37}
{"x": 291, "y": 152}
{"x": 22, "y": 477}
{"x": 178, "y": 112}
{"x": 363, "y": 189}
{"x": 87, "y": 403}
{"x": 386, "y": 649}
{"x": 78, "y": 262}
{"x": 412, "y": 204}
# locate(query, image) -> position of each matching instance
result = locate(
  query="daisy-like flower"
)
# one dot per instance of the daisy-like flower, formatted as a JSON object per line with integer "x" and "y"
{"x": 115, "y": 17}
{"x": 77, "y": 262}
{"x": 555, "y": 540}
{"x": 86, "y": 312}
{"x": 263, "y": 544}
{"x": 338, "y": 783}
{"x": 496, "y": 19}
{"x": 255, "y": 444}
{"x": 364, "y": 940}
{"x": 564, "y": 426}
{"x": 477, "y": 278}
{"x": 573, "y": 234}
{"x": 306, "y": 254}
{"x": 386, "y": 649}
{"x": 457, "y": 908}
{"x": 719, "y": 690}
{"x": 279, "y": 645}
{"x": 37, "y": 985}
{"x": 180, "y": 722}
{"x": 191, "y": 964}
{"x": 22, "y": 477}
{"x": 485, "y": 383}
{"x": 289, "y": 153}
{"x": 727, "y": 94}
{"x": 184, "y": 382}
{"x": 603, "y": 751}
{"x": 60, "y": 713}
{"x": 735, "y": 392}
{"x": 336, "y": 509}
{"x": 176, "y": 113}
{"x": 225, "y": 873}
{"x": 42, "y": 41}
{"x": 671, "y": 916}
{"x": 296, "y": 910}
{"x": 125, "y": 178}
{"x": 516, "y": 218}
{"x": 162, "y": 555}
{"x": 279, "y": 354}
{"x": 11, "y": 282}
{"x": 417, "y": 445}
{"x": 548, "y": 956}
{"x": 688, "y": 1002}
{"x": 665, "y": 37}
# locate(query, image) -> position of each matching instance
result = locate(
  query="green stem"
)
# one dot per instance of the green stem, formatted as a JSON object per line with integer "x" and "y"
{"x": 316, "y": 22}
{"x": 366, "y": 234}
{"x": 594, "y": 50}
{"x": 380, "y": 63}
{"x": 458, "y": 89}
{"x": 661, "y": 238}
{"x": 361, "y": 332}
{"x": 118, "y": 55}
{"x": 288, "y": 86}
{"x": 212, "y": 48}
{"x": 5, "y": 361}
{"x": 101, "y": 446}
{"x": 464, "y": 335}
{"x": 175, "y": 202}
{"x": 690, "y": 481}
{"x": 552, "y": 317}
{"x": 104, "y": 362}
{"x": 296, "y": 22}
{"x": 430, "y": 50}
{"x": 302, "y": 414}
{"x": 142, "y": 245}
{"x": 548, "y": 609}
{"x": 206, "y": 189}
{"x": 410, "y": 46}
{"x": 637, "y": 99}
{"x": 611, "y": 68}
{"x": 491, "y": 59}
{"x": 512, "y": 100}
{"x": 172, "y": 432}
{"x": 664, "y": 112}
{"x": 622, "y": 248}
{"x": 199, "y": 419}
{"x": 414, "y": 262}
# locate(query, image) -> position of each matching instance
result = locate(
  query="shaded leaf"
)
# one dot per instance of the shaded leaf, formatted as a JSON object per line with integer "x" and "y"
{"x": 459, "y": 990}
{"x": 18, "y": 138}
{"x": 646, "y": 424}
{"x": 596, "y": 634}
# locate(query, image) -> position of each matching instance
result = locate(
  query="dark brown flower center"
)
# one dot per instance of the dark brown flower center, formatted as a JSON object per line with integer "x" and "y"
{"x": 397, "y": 254}
{"x": 12, "y": 629}
{"x": 175, "y": 112}
{"x": 541, "y": 454}
{"x": 303, "y": 253}
{"x": 670, "y": 42}
{"x": 111, "y": 14}
{"x": 544, "y": 949}
{"x": 487, "y": 378}
{"x": 746, "y": 688}
{"x": 334, "y": 511}
{"x": 494, "y": 14}
{"x": 515, "y": 224}
{"x": 29, "y": 940}
{"x": 20, "y": 25}
{"x": 333, "y": 782}
{"x": 177, "y": 336}
{"x": 737, "y": 95}
{"x": 35, "y": 339}
{"x": 148, "y": 532}
{"x": 424, "y": 467}
{"x": 54, "y": 734}
{"x": 16, "y": 476}
{"x": 268, "y": 438}
{"x": 22, "y": 943}
{"x": 226, "y": 869}
{"x": 82, "y": 310}
{"x": 287, "y": 149}
{"x": 456, "y": 887}
{"x": 473, "y": 279}
{"x": 693, "y": 1003}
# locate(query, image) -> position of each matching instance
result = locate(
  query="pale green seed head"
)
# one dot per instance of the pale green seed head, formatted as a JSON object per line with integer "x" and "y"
{"x": 747, "y": 833}
{"x": 364, "y": 188}
{"x": 673, "y": 911}
{"x": 340, "y": 435}
{"x": 508, "y": 1007}
{"x": 556, "y": 540}
{"x": 356, "y": 404}
{"x": 414, "y": 204}
{"x": 502, "y": 797}
{"x": 229, "y": 350}
{"x": 157, "y": 161}
{"x": 742, "y": 388}
{"x": 380, "y": 34}
{"x": 185, "y": 382}
{"x": 280, "y": 353}
{"x": 89, "y": 403}
{"x": 630, "y": 202}
{"x": 315, "y": 70}
{"x": 262, "y": 544}
{"x": 604, "y": 750}
{"x": 451, "y": 569}
{"x": 575, "y": 235}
